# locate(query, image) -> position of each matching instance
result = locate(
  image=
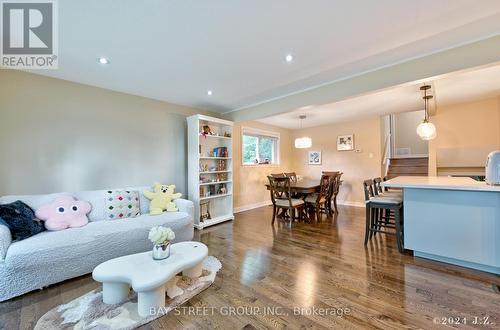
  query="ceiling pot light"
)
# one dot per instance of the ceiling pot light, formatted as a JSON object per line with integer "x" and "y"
{"x": 426, "y": 130}
{"x": 289, "y": 58}
{"x": 103, "y": 60}
{"x": 303, "y": 142}
{"x": 209, "y": 93}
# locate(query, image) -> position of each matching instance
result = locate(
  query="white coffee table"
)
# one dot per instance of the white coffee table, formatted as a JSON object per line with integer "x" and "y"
{"x": 148, "y": 277}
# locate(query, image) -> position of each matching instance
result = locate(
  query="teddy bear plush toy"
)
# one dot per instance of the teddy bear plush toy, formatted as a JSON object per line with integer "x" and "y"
{"x": 162, "y": 198}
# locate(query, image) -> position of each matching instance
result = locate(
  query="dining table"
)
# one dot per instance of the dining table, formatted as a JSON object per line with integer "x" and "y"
{"x": 304, "y": 186}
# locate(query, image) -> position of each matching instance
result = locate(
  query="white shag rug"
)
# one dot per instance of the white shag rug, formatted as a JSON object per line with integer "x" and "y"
{"x": 89, "y": 312}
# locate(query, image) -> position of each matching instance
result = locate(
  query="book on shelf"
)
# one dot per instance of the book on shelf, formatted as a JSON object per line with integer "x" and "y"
{"x": 220, "y": 152}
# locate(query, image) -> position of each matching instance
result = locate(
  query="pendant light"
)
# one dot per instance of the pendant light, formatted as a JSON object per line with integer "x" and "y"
{"x": 426, "y": 130}
{"x": 303, "y": 142}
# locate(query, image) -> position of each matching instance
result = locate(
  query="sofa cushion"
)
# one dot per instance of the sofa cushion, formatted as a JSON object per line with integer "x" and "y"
{"x": 5, "y": 240}
{"x": 122, "y": 204}
{"x": 143, "y": 201}
{"x": 286, "y": 202}
{"x": 97, "y": 198}
{"x": 101, "y": 239}
{"x": 64, "y": 212}
{"x": 94, "y": 197}
{"x": 312, "y": 198}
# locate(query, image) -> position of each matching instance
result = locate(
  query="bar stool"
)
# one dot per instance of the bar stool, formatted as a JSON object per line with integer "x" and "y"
{"x": 375, "y": 207}
{"x": 379, "y": 190}
{"x": 386, "y": 216}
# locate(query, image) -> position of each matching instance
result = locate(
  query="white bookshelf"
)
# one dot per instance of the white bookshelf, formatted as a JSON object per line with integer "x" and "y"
{"x": 204, "y": 182}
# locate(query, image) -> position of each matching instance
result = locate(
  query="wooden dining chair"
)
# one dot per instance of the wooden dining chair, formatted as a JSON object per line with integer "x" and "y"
{"x": 332, "y": 173}
{"x": 282, "y": 198}
{"x": 292, "y": 176}
{"x": 335, "y": 183}
{"x": 328, "y": 209}
{"x": 278, "y": 175}
{"x": 317, "y": 201}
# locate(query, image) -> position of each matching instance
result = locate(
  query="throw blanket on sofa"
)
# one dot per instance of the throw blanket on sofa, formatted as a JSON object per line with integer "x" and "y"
{"x": 20, "y": 219}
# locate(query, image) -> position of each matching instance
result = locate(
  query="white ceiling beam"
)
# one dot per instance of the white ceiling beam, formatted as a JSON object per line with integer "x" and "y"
{"x": 464, "y": 57}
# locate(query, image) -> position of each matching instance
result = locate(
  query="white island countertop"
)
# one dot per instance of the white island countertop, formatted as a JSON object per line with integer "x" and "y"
{"x": 440, "y": 182}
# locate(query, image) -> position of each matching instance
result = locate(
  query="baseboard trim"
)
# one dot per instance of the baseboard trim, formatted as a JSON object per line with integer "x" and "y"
{"x": 267, "y": 203}
{"x": 251, "y": 206}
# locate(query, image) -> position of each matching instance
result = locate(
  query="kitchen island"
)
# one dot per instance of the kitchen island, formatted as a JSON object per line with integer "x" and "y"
{"x": 452, "y": 219}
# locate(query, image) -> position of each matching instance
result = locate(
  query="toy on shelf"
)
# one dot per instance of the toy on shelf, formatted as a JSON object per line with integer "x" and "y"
{"x": 222, "y": 189}
{"x": 203, "y": 167}
{"x": 206, "y": 131}
{"x": 221, "y": 165}
{"x": 221, "y": 177}
{"x": 205, "y": 210}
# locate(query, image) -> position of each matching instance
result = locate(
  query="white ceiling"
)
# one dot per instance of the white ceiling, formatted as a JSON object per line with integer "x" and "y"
{"x": 176, "y": 50}
{"x": 468, "y": 86}
{"x": 453, "y": 88}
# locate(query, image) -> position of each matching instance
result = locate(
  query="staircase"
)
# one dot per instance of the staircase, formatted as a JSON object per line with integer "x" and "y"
{"x": 408, "y": 166}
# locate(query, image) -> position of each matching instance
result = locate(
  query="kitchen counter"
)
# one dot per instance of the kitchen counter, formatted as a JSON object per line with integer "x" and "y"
{"x": 451, "y": 219}
{"x": 440, "y": 182}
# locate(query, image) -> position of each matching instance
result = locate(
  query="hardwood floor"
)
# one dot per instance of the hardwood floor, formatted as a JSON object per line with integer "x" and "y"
{"x": 323, "y": 265}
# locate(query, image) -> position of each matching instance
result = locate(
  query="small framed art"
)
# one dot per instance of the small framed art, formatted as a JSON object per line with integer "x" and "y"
{"x": 345, "y": 142}
{"x": 314, "y": 158}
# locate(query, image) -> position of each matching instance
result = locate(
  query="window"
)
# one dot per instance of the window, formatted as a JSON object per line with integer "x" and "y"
{"x": 259, "y": 147}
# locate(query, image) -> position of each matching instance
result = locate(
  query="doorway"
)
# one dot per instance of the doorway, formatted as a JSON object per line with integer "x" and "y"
{"x": 405, "y": 142}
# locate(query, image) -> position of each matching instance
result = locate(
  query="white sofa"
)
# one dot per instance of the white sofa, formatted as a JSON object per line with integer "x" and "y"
{"x": 52, "y": 257}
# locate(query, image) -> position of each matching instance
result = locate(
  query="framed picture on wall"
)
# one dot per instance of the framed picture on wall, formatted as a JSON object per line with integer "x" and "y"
{"x": 345, "y": 142}
{"x": 314, "y": 157}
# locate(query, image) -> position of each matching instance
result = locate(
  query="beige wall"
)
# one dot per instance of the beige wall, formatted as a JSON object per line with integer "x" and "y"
{"x": 357, "y": 166}
{"x": 474, "y": 125}
{"x": 405, "y": 127}
{"x": 57, "y": 135}
{"x": 249, "y": 181}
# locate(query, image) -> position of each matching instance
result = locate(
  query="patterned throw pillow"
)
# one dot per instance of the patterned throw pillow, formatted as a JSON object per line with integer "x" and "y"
{"x": 122, "y": 204}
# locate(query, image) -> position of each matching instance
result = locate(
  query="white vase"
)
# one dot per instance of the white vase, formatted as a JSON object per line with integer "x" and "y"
{"x": 161, "y": 251}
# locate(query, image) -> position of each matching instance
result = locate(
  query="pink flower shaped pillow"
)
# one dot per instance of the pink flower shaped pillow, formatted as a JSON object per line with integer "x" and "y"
{"x": 64, "y": 212}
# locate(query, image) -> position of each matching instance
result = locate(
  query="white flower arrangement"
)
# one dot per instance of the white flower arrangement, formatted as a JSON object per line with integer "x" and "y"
{"x": 161, "y": 235}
